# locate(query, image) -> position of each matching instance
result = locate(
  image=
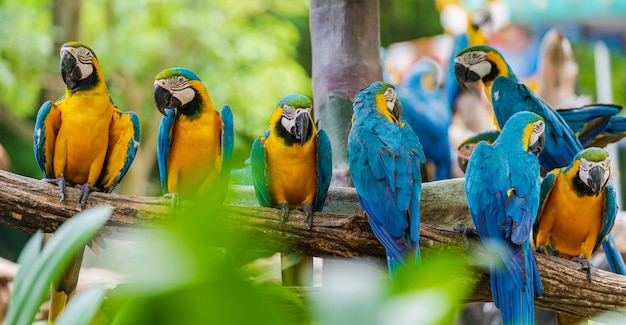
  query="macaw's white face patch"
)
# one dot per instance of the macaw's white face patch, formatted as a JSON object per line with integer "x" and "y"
{"x": 179, "y": 87}
{"x": 390, "y": 97}
{"x": 539, "y": 128}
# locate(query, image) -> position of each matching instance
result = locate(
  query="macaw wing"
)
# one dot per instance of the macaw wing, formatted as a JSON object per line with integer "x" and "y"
{"x": 46, "y": 128}
{"x": 164, "y": 141}
{"x": 615, "y": 131}
{"x": 123, "y": 143}
{"x": 547, "y": 184}
{"x": 589, "y": 121}
{"x": 324, "y": 168}
{"x": 610, "y": 213}
{"x": 561, "y": 145}
{"x": 486, "y": 186}
{"x": 260, "y": 179}
{"x": 228, "y": 143}
{"x": 384, "y": 179}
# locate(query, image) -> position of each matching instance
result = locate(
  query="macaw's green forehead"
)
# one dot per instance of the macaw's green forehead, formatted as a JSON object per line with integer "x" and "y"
{"x": 478, "y": 48}
{"x": 379, "y": 87}
{"x": 296, "y": 100}
{"x": 593, "y": 154}
{"x": 77, "y": 45}
{"x": 172, "y": 72}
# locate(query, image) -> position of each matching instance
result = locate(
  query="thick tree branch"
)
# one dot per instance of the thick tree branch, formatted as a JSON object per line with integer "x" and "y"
{"x": 30, "y": 204}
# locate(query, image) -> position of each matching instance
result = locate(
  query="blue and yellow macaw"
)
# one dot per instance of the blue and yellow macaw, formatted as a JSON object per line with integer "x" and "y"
{"x": 427, "y": 113}
{"x": 509, "y": 96}
{"x": 385, "y": 157}
{"x": 292, "y": 167}
{"x": 580, "y": 194}
{"x": 502, "y": 183}
{"x": 195, "y": 142}
{"x": 84, "y": 140}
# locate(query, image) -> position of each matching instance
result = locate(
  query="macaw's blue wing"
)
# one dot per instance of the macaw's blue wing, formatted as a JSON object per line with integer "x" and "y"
{"x": 561, "y": 145}
{"x": 124, "y": 137}
{"x": 46, "y": 129}
{"x": 615, "y": 131}
{"x": 451, "y": 86}
{"x": 260, "y": 179}
{"x": 163, "y": 148}
{"x": 589, "y": 121}
{"x": 385, "y": 168}
{"x": 546, "y": 188}
{"x": 324, "y": 168}
{"x": 487, "y": 184}
{"x": 613, "y": 255}
{"x": 228, "y": 144}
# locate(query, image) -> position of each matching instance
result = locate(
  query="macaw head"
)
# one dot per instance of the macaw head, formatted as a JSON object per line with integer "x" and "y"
{"x": 480, "y": 63}
{"x": 465, "y": 149}
{"x": 424, "y": 74}
{"x": 527, "y": 127}
{"x": 594, "y": 168}
{"x": 479, "y": 26}
{"x": 292, "y": 119}
{"x": 79, "y": 67}
{"x": 385, "y": 102}
{"x": 179, "y": 89}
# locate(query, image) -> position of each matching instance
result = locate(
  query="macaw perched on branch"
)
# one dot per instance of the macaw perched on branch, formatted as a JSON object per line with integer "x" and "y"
{"x": 509, "y": 96}
{"x": 84, "y": 140}
{"x": 502, "y": 185}
{"x": 292, "y": 167}
{"x": 580, "y": 194}
{"x": 385, "y": 158}
{"x": 195, "y": 142}
{"x": 428, "y": 114}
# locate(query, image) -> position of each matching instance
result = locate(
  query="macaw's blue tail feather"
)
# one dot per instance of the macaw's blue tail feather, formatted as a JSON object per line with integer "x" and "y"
{"x": 613, "y": 255}
{"x": 393, "y": 264}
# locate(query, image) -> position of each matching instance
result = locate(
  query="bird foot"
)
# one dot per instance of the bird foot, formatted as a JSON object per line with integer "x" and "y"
{"x": 541, "y": 249}
{"x": 60, "y": 182}
{"x": 284, "y": 212}
{"x": 84, "y": 193}
{"x": 586, "y": 265}
{"x": 308, "y": 214}
{"x": 174, "y": 201}
{"x": 462, "y": 228}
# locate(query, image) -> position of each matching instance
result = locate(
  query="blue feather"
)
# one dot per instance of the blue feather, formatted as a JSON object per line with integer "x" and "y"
{"x": 163, "y": 148}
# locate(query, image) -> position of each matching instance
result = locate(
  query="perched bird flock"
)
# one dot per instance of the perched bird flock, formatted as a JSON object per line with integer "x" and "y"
{"x": 539, "y": 182}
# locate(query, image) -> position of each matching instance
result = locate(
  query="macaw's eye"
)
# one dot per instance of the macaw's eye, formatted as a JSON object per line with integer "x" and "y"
{"x": 539, "y": 127}
{"x": 84, "y": 55}
{"x": 584, "y": 165}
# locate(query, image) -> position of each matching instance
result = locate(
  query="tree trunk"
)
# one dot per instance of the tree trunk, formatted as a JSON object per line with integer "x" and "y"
{"x": 345, "y": 41}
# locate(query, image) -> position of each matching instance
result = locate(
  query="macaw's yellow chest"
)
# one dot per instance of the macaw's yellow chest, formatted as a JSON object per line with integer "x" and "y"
{"x": 83, "y": 137}
{"x": 577, "y": 220}
{"x": 195, "y": 159}
{"x": 291, "y": 171}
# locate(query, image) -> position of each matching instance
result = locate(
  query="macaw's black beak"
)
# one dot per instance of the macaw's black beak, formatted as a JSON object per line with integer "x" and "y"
{"x": 596, "y": 179}
{"x": 464, "y": 75}
{"x": 538, "y": 146}
{"x": 303, "y": 127}
{"x": 462, "y": 163}
{"x": 69, "y": 70}
{"x": 163, "y": 99}
{"x": 397, "y": 110}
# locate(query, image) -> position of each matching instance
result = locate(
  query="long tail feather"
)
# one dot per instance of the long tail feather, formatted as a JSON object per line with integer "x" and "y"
{"x": 296, "y": 270}
{"x": 64, "y": 288}
{"x": 613, "y": 255}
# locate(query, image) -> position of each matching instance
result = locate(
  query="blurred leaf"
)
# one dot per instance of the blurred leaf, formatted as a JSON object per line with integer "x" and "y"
{"x": 32, "y": 283}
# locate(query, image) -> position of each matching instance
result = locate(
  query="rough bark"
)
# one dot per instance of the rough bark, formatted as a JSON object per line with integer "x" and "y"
{"x": 30, "y": 204}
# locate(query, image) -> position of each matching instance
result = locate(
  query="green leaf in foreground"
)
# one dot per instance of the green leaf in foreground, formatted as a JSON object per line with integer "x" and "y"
{"x": 34, "y": 278}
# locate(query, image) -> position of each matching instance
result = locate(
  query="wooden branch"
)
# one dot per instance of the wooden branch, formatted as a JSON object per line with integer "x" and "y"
{"x": 30, "y": 204}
